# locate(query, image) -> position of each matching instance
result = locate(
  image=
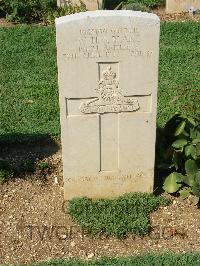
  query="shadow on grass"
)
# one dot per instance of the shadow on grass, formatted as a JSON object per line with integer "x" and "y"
{"x": 159, "y": 173}
{"x": 25, "y": 139}
{"x": 21, "y": 152}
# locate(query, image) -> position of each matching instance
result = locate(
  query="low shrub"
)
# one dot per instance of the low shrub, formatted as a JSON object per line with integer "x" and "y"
{"x": 128, "y": 214}
{"x": 146, "y": 3}
{"x": 179, "y": 154}
{"x": 36, "y": 10}
{"x": 67, "y": 9}
{"x": 132, "y": 4}
{"x": 151, "y": 3}
{"x": 135, "y": 7}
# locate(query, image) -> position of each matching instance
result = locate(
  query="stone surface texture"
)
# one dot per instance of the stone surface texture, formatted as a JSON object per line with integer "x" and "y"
{"x": 178, "y": 6}
{"x": 90, "y": 4}
{"x": 108, "y": 75}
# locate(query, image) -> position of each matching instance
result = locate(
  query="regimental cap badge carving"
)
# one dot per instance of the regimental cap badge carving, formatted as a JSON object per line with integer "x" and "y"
{"x": 110, "y": 98}
{"x": 108, "y": 74}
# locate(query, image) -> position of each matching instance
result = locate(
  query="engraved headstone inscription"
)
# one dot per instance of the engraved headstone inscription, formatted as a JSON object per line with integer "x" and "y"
{"x": 108, "y": 74}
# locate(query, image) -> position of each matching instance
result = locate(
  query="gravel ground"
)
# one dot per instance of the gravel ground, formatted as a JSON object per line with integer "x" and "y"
{"x": 35, "y": 227}
{"x": 176, "y": 16}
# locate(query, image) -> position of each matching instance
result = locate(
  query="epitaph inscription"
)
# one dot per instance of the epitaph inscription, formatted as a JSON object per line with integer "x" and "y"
{"x": 106, "y": 177}
{"x": 111, "y": 99}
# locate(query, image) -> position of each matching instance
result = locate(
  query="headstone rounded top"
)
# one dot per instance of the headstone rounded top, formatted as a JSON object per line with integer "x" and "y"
{"x": 106, "y": 13}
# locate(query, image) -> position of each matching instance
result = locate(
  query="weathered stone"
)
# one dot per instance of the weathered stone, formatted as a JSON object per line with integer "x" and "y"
{"x": 108, "y": 74}
{"x": 178, "y": 6}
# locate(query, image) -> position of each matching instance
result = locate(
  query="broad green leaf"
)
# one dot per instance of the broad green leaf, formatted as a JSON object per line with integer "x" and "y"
{"x": 198, "y": 149}
{"x": 195, "y": 133}
{"x": 189, "y": 180}
{"x": 184, "y": 133}
{"x": 164, "y": 165}
{"x": 190, "y": 119}
{"x": 172, "y": 124}
{"x": 180, "y": 128}
{"x": 197, "y": 177}
{"x": 196, "y": 141}
{"x": 175, "y": 160}
{"x": 179, "y": 143}
{"x": 171, "y": 183}
{"x": 185, "y": 192}
{"x": 190, "y": 150}
{"x": 191, "y": 167}
{"x": 196, "y": 190}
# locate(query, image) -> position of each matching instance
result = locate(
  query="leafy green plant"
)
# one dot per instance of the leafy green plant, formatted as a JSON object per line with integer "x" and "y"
{"x": 27, "y": 11}
{"x": 4, "y": 7}
{"x": 116, "y": 217}
{"x": 28, "y": 166}
{"x": 37, "y": 10}
{"x": 135, "y": 6}
{"x": 4, "y": 175}
{"x": 67, "y": 9}
{"x": 151, "y": 3}
{"x": 43, "y": 165}
{"x": 180, "y": 151}
{"x": 43, "y": 169}
{"x": 5, "y": 171}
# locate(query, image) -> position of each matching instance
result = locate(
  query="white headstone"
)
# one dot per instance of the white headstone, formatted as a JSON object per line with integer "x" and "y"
{"x": 108, "y": 75}
{"x": 177, "y": 6}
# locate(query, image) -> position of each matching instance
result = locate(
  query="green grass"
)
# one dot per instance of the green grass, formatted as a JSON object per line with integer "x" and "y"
{"x": 165, "y": 259}
{"x": 128, "y": 214}
{"x": 179, "y": 75}
{"x": 28, "y": 82}
{"x": 28, "y": 78}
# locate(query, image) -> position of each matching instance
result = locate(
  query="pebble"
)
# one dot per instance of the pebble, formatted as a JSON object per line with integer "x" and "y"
{"x": 56, "y": 180}
{"x": 72, "y": 244}
{"x": 63, "y": 236}
{"x": 90, "y": 255}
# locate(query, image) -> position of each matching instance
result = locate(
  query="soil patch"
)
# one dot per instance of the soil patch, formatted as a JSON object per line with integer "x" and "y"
{"x": 6, "y": 24}
{"x": 35, "y": 227}
{"x": 176, "y": 16}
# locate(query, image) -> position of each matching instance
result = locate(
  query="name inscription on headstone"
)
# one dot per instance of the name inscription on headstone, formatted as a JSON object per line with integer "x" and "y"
{"x": 106, "y": 42}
